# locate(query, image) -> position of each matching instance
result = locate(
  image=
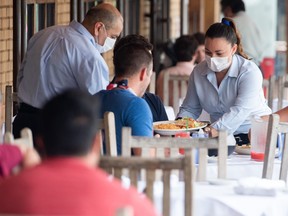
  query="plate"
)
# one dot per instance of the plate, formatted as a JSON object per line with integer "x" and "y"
{"x": 221, "y": 181}
{"x": 214, "y": 159}
{"x": 175, "y": 131}
{"x": 243, "y": 150}
{"x": 246, "y": 150}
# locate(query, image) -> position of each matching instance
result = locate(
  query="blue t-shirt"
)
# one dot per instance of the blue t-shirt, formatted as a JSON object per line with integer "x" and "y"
{"x": 129, "y": 110}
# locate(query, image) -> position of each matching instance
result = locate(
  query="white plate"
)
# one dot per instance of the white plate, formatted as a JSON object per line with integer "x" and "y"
{"x": 221, "y": 181}
{"x": 214, "y": 159}
{"x": 247, "y": 150}
{"x": 243, "y": 150}
{"x": 174, "y": 131}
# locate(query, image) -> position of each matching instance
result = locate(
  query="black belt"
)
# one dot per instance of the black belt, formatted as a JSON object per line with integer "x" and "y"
{"x": 26, "y": 108}
{"x": 242, "y": 139}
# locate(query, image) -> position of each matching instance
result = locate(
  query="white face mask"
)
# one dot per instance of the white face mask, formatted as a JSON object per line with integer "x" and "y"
{"x": 217, "y": 64}
{"x": 108, "y": 44}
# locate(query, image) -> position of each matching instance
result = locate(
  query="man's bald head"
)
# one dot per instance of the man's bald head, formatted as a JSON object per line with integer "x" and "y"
{"x": 105, "y": 13}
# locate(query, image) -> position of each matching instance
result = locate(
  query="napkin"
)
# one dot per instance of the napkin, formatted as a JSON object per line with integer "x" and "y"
{"x": 258, "y": 186}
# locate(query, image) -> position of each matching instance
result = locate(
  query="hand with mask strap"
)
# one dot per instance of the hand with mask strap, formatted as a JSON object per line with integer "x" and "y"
{"x": 211, "y": 131}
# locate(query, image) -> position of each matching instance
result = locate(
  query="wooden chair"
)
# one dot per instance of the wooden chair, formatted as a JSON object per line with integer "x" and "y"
{"x": 275, "y": 127}
{"x": 10, "y": 99}
{"x": 107, "y": 124}
{"x": 151, "y": 165}
{"x": 26, "y": 138}
{"x": 268, "y": 86}
{"x": 178, "y": 85}
{"x": 189, "y": 144}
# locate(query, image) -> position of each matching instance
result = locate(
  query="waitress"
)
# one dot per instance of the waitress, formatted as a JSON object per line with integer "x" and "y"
{"x": 227, "y": 85}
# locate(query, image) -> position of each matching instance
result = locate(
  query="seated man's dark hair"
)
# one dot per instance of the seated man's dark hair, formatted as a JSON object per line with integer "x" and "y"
{"x": 129, "y": 58}
{"x": 132, "y": 39}
{"x": 185, "y": 47}
{"x": 70, "y": 123}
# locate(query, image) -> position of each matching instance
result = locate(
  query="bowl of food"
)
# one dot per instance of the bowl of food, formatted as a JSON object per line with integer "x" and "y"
{"x": 243, "y": 149}
{"x": 181, "y": 125}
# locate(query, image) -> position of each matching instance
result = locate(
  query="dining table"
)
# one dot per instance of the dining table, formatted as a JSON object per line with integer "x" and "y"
{"x": 219, "y": 197}
{"x": 241, "y": 166}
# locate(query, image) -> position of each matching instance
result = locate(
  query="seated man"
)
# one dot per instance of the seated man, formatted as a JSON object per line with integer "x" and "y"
{"x": 67, "y": 182}
{"x": 133, "y": 70}
{"x": 154, "y": 102}
{"x": 185, "y": 50}
{"x": 200, "y": 52}
{"x": 14, "y": 155}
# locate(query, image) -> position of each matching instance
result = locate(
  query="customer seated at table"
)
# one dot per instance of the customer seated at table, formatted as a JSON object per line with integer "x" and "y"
{"x": 200, "y": 52}
{"x": 68, "y": 181}
{"x": 185, "y": 50}
{"x": 14, "y": 155}
{"x": 227, "y": 85}
{"x": 154, "y": 102}
{"x": 133, "y": 65}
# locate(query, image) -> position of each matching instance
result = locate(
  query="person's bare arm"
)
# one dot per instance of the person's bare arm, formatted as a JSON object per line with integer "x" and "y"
{"x": 283, "y": 114}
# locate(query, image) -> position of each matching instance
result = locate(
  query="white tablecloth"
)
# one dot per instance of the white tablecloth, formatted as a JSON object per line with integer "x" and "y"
{"x": 222, "y": 200}
{"x": 241, "y": 166}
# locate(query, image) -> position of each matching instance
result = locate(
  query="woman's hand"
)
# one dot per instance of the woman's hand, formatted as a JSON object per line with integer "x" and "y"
{"x": 211, "y": 131}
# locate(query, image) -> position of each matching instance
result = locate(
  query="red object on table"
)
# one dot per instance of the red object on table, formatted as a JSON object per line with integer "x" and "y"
{"x": 257, "y": 156}
{"x": 182, "y": 135}
{"x": 267, "y": 68}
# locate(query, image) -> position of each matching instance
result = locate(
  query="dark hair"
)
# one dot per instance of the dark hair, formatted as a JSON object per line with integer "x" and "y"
{"x": 102, "y": 13}
{"x": 226, "y": 29}
{"x": 200, "y": 37}
{"x": 70, "y": 123}
{"x": 185, "y": 47}
{"x": 235, "y": 5}
{"x": 132, "y": 39}
{"x": 130, "y": 56}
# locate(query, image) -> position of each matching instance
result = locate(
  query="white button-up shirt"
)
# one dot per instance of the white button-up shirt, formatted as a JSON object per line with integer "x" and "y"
{"x": 232, "y": 104}
{"x": 58, "y": 58}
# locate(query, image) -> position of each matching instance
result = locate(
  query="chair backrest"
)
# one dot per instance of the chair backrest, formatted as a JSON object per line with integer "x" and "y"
{"x": 10, "y": 99}
{"x": 151, "y": 165}
{"x": 189, "y": 144}
{"x": 275, "y": 127}
{"x": 25, "y": 139}
{"x": 179, "y": 89}
{"x": 107, "y": 124}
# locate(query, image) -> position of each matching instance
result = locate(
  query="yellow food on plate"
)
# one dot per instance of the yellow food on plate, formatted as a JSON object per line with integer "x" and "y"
{"x": 245, "y": 146}
{"x": 179, "y": 124}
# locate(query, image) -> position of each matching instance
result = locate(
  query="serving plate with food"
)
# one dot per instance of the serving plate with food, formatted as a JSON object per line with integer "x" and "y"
{"x": 243, "y": 149}
{"x": 181, "y": 125}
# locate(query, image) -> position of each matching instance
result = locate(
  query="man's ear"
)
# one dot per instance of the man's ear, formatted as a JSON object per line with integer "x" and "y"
{"x": 96, "y": 146}
{"x": 97, "y": 27}
{"x": 143, "y": 73}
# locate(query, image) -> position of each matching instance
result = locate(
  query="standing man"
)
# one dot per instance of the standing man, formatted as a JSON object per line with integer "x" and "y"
{"x": 249, "y": 31}
{"x": 62, "y": 57}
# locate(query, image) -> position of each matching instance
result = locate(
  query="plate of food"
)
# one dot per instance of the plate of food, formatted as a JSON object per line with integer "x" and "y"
{"x": 176, "y": 126}
{"x": 243, "y": 149}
